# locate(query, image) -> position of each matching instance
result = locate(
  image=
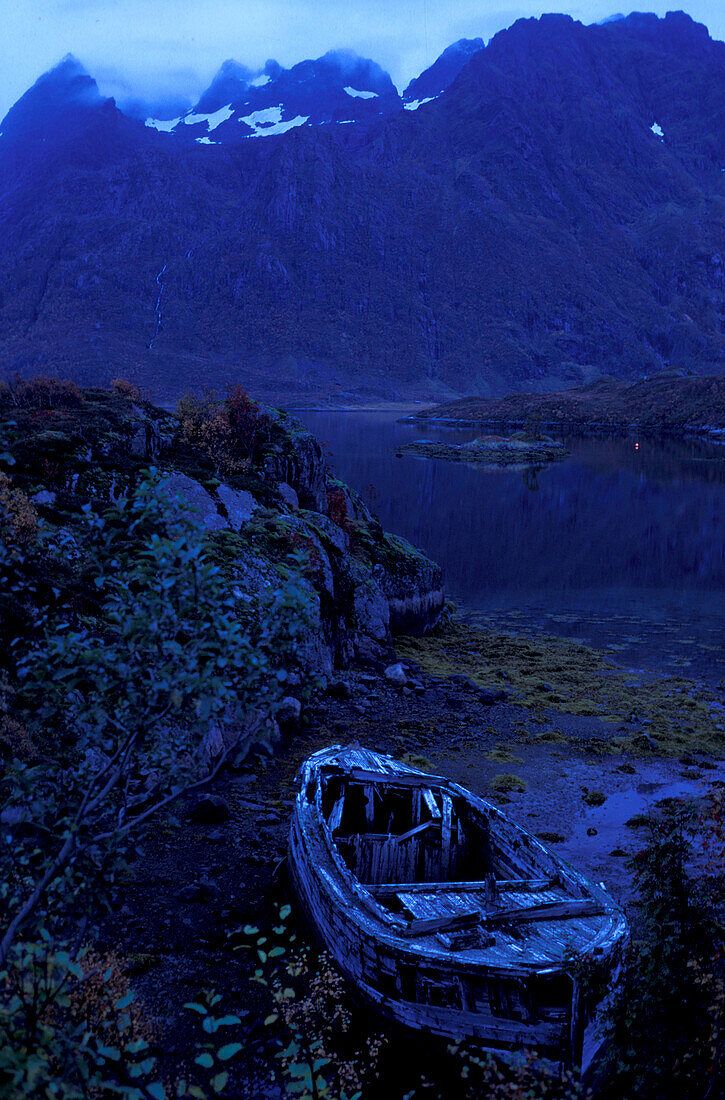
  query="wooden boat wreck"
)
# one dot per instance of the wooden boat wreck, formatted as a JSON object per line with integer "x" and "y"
{"x": 446, "y": 915}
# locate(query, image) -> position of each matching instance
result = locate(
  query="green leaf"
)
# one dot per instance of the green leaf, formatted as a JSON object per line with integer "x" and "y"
{"x": 219, "y": 1081}
{"x": 111, "y": 1053}
{"x": 204, "y": 1060}
{"x": 196, "y": 1007}
{"x": 228, "y": 1051}
{"x": 157, "y": 1090}
{"x": 271, "y": 1019}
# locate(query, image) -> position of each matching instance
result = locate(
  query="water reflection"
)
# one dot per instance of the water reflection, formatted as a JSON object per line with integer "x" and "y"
{"x": 622, "y": 545}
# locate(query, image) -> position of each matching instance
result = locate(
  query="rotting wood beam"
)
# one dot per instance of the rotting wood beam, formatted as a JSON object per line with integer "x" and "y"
{"x": 424, "y": 925}
{"x": 430, "y": 801}
{"x": 385, "y": 889}
{"x": 416, "y": 831}
{"x": 552, "y": 910}
{"x": 396, "y": 779}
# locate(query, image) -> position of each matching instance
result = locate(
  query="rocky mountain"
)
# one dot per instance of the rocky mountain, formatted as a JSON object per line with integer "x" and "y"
{"x": 555, "y": 213}
{"x": 436, "y": 78}
{"x": 339, "y": 87}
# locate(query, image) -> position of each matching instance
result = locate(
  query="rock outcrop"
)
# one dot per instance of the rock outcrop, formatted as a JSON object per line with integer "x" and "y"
{"x": 282, "y": 510}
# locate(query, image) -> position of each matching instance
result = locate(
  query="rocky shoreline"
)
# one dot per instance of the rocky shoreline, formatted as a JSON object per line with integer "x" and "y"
{"x": 670, "y": 402}
{"x": 561, "y": 771}
{"x": 361, "y": 581}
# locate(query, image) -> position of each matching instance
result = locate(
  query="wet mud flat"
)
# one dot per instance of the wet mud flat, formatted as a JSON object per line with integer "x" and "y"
{"x": 583, "y": 782}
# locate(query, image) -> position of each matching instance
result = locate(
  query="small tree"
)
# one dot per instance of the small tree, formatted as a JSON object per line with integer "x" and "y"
{"x": 121, "y": 709}
{"x": 667, "y": 1030}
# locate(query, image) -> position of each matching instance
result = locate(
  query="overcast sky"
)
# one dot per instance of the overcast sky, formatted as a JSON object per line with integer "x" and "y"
{"x": 162, "y": 49}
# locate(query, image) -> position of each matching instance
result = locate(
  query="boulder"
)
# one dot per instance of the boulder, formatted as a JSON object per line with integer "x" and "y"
{"x": 197, "y": 498}
{"x": 289, "y": 496}
{"x": 395, "y": 674}
{"x": 240, "y": 505}
{"x": 45, "y": 496}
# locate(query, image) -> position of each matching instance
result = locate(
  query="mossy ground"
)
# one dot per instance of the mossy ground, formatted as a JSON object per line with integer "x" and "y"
{"x": 653, "y": 714}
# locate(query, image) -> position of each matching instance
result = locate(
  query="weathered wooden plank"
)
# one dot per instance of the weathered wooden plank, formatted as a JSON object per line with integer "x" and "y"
{"x": 465, "y": 885}
{"x": 369, "y": 795}
{"x": 335, "y": 817}
{"x": 430, "y": 801}
{"x": 426, "y": 925}
{"x": 446, "y": 836}
{"x": 397, "y": 778}
{"x": 578, "y": 907}
{"x": 415, "y": 830}
{"x": 576, "y": 1028}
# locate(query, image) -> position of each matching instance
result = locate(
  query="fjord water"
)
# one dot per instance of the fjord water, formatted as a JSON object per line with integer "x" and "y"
{"x": 622, "y": 545}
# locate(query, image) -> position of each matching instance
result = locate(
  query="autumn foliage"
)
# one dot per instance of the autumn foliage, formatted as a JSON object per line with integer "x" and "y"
{"x": 230, "y": 432}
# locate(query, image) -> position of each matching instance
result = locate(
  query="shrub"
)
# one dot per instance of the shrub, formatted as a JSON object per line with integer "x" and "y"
{"x": 250, "y": 424}
{"x": 123, "y": 710}
{"x": 508, "y": 782}
{"x": 69, "y": 1028}
{"x": 126, "y": 389}
{"x": 337, "y": 507}
{"x": 41, "y": 392}
{"x": 18, "y": 518}
{"x": 230, "y": 433}
{"x": 667, "y": 1030}
{"x": 321, "y": 1054}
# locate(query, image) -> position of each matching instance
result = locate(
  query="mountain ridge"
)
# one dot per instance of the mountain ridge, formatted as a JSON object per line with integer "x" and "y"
{"x": 526, "y": 228}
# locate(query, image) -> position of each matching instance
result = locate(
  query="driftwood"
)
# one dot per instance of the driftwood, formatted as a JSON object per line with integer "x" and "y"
{"x": 445, "y": 914}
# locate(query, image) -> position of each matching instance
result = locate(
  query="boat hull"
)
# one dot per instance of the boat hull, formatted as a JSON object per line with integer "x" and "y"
{"x": 417, "y": 982}
{"x": 368, "y": 962}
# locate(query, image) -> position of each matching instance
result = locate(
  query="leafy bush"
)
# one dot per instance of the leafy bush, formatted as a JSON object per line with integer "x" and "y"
{"x": 321, "y": 1055}
{"x": 126, "y": 389}
{"x": 230, "y": 432}
{"x": 69, "y": 1028}
{"x": 107, "y": 719}
{"x": 667, "y": 1031}
{"x": 18, "y": 517}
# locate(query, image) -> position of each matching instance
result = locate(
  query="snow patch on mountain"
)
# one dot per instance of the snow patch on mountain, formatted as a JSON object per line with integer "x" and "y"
{"x": 356, "y": 94}
{"x": 281, "y": 127}
{"x": 416, "y": 103}
{"x": 213, "y": 120}
{"x": 260, "y": 81}
{"x": 266, "y": 117}
{"x": 657, "y": 130}
{"x": 165, "y": 125}
{"x": 269, "y": 121}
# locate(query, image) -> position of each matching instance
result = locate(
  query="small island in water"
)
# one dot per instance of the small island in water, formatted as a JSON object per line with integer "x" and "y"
{"x": 492, "y": 451}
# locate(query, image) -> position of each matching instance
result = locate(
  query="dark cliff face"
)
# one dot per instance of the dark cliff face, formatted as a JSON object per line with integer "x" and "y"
{"x": 556, "y": 213}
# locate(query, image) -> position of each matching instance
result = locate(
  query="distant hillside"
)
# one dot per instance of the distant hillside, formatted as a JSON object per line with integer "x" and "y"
{"x": 668, "y": 401}
{"x": 556, "y": 212}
